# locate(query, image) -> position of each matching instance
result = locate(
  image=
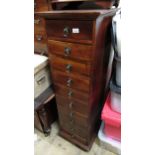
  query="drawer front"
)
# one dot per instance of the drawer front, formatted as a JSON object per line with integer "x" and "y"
{"x": 69, "y": 66}
{"x": 40, "y": 48}
{"x": 70, "y": 93}
{"x": 75, "y": 129}
{"x": 42, "y": 81}
{"x": 70, "y": 29}
{"x": 70, "y": 50}
{"x": 70, "y": 117}
{"x": 39, "y": 24}
{"x": 72, "y": 81}
{"x": 72, "y": 136}
{"x": 73, "y": 104}
{"x": 40, "y": 37}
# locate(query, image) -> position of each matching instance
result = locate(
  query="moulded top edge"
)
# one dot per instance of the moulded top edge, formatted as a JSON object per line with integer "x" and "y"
{"x": 77, "y": 14}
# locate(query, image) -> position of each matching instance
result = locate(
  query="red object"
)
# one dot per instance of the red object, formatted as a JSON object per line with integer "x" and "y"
{"x": 112, "y": 121}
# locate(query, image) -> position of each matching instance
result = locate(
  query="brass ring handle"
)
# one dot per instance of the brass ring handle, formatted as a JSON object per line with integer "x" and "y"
{"x": 69, "y": 82}
{"x": 67, "y": 51}
{"x": 71, "y": 105}
{"x": 71, "y": 114}
{"x": 39, "y": 37}
{"x": 70, "y": 93}
{"x": 66, "y": 31}
{"x": 68, "y": 67}
{"x": 37, "y": 21}
{"x": 71, "y": 121}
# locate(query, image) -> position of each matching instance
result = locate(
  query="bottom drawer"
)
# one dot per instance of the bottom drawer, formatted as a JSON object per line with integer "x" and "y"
{"x": 72, "y": 128}
{"x": 68, "y": 135}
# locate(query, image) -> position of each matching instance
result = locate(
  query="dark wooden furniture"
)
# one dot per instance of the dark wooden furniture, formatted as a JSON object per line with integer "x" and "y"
{"x": 82, "y": 4}
{"x": 79, "y": 48}
{"x": 45, "y": 111}
{"x": 40, "y": 37}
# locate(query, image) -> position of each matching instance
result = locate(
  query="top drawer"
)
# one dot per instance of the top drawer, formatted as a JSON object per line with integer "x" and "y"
{"x": 70, "y": 30}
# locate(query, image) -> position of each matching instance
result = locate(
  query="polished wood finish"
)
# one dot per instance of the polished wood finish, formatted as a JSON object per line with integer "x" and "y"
{"x": 70, "y": 93}
{"x": 67, "y": 115}
{"x": 82, "y": 4}
{"x": 79, "y": 72}
{"x": 76, "y": 50}
{"x": 56, "y": 29}
{"x": 41, "y": 5}
{"x": 76, "y": 14}
{"x": 68, "y": 66}
{"x": 59, "y": 1}
{"x": 40, "y": 37}
{"x": 39, "y": 24}
{"x": 72, "y": 103}
{"x": 79, "y": 82}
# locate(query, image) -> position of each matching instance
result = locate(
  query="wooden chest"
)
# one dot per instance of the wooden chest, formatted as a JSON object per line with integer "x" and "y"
{"x": 79, "y": 48}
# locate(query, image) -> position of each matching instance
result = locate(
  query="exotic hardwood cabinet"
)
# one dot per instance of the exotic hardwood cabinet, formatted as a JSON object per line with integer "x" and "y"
{"x": 79, "y": 48}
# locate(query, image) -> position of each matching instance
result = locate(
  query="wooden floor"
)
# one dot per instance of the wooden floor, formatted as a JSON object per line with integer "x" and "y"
{"x": 55, "y": 145}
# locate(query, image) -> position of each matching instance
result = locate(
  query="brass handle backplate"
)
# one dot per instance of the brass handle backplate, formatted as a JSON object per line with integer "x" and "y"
{"x": 68, "y": 67}
{"x": 39, "y": 37}
{"x": 67, "y": 51}
{"x": 66, "y": 31}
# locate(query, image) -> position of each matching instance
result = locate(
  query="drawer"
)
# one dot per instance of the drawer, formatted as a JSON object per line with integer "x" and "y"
{"x": 70, "y": 93}
{"x": 76, "y": 31}
{"x": 71, "y": 50}
{"x": 75, "y": 129}
{"x": 40, "y": 48}
{"x": 78, "y": 82}
{"x": 69, "y": 116}
{"x": 42, "y": 81}
{"x": 73, "y": 104}
{"x": 71, "y": 136}
{"x": 39, "y": 24}
{"x": 40, "y": 37}
{"x": 69, "y": 66}
{"x": 40, "y": 5}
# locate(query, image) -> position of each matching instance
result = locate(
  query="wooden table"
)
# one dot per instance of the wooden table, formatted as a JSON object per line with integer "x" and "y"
{"x": 45, "y": 111}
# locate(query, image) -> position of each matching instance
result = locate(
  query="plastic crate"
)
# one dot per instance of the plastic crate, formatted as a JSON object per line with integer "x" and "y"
{"x": 115, "y": 97}
{"x": 112, "y": 120}
{"x": 108, "y": 143}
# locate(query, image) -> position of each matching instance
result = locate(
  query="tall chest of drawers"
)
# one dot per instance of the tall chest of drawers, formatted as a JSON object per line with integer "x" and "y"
{"x": 78, "y": 50}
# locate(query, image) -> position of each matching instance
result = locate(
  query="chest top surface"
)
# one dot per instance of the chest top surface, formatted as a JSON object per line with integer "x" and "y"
{"x": 76, "y": 14}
